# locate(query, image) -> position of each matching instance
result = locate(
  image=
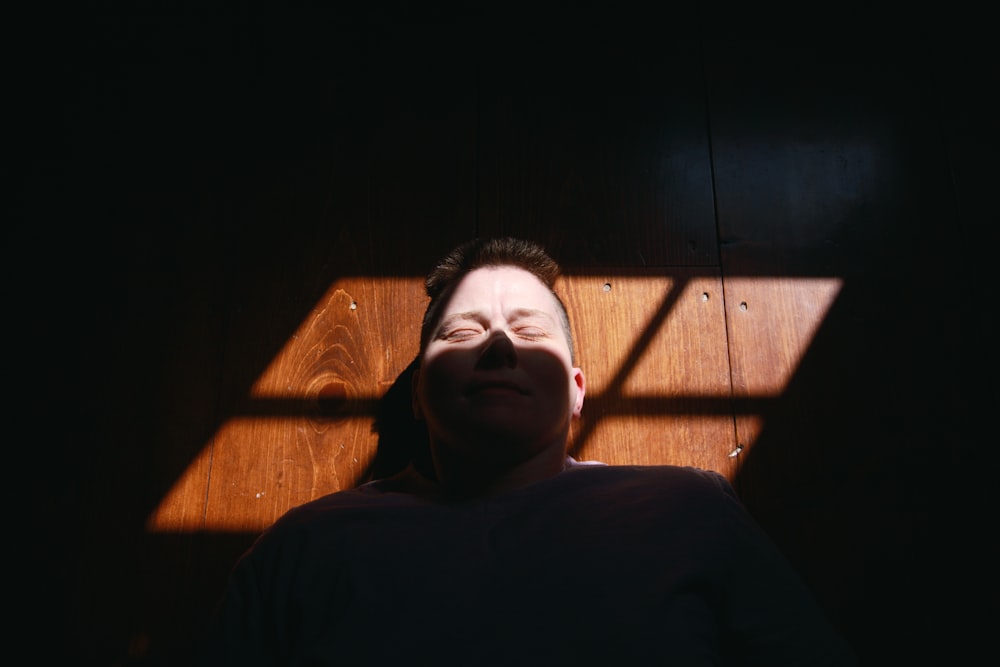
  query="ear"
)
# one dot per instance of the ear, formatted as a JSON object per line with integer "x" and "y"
{"x": 414, "y": 400}
{"x": 580, "y": 382}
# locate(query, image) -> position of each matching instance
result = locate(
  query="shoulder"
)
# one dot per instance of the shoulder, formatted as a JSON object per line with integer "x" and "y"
{"x": 666, "y": 477}
{"x": 338, "y": 510}
{"x": 667, "y": 491}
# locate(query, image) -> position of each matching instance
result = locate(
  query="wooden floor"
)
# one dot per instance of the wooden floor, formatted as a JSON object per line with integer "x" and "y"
{"x": 767, "y": 248}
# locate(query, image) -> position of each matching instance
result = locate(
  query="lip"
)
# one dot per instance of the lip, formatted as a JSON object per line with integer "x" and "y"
{"x": 497, "y": 386}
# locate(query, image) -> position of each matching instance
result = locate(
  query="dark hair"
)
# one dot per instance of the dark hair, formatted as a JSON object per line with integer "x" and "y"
{"x": 479, "y": 253}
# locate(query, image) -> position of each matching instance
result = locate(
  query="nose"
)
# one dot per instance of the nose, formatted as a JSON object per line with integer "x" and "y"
{"x": 498, "y": 352}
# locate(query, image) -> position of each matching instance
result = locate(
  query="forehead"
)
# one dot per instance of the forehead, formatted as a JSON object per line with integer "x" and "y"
{"x": 506, "y": 285}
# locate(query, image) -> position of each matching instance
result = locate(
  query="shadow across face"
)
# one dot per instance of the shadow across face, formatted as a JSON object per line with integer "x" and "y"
{"x": 500, "y": 400}
{"x": 522, "y": 398}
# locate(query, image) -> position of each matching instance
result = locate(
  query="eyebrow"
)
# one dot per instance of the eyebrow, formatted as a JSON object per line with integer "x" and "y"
{"x": 477, "y": 316}
{"x": 521, "y": 313}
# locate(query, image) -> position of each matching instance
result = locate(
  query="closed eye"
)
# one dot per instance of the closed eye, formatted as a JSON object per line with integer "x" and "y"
{"x": 460, "y": 334}
{"x": 531, "y": 333}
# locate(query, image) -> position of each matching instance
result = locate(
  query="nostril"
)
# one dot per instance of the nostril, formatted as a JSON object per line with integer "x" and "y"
{"x": 499, "y": 350}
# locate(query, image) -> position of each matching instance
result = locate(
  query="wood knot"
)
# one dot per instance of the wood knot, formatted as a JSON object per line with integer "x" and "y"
{"x": 332, "y": 396}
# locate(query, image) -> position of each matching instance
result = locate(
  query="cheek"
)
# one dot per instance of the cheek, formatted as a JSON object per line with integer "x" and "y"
{"x": 440, "y": 372}
{"x": 551, "y": 372}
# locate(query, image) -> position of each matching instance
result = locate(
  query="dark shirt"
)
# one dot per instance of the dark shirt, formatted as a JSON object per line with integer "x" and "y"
{"x": 597, "y": 565}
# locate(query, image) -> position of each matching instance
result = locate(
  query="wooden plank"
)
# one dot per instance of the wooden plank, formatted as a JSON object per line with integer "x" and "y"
{"x": 414, "y": 185}
{"x": 308, "y": 427}
{"x": 652, "y": 345}
{"x": 242, "y": 168}
{"x": 602, "y": 155}
{"x": 771, "y": 323}
{"x": 817, "y": 176}
{"x": 401, "y": 191}
{"x": 830, "y": 165}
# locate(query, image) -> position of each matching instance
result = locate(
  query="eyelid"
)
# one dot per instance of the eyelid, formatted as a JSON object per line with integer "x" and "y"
{"x": 460, "y": 329}
{"x": 524, "y": 323}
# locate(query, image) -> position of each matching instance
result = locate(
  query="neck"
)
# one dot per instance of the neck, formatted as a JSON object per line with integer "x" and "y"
{"x": 465, "y": 478}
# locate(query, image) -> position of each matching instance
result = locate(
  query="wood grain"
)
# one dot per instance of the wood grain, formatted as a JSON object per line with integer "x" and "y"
{"x": 652, "y": 345}
{"x": 307, "y": 430}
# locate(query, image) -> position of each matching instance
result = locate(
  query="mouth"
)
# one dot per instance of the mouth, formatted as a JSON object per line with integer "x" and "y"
{"x": 497, "y": 387}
